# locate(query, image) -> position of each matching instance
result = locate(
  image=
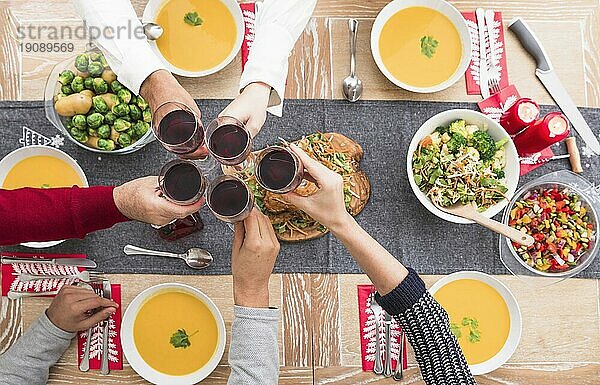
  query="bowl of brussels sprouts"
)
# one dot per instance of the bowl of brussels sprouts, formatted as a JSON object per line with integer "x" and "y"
{"x": 85, "y": 100}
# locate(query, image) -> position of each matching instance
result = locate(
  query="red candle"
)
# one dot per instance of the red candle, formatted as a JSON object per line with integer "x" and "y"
{"x": 551, "y": 129}
{"x": 519, "y": 115}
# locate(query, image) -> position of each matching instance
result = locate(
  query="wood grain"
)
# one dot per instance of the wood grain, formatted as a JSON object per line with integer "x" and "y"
{"x": 297, "y": 320}
{"x": 70, "y": 374}
{"x": 10, "y": 62}
{"x": 517, "y": 374}
{"x": 326, "y": 320}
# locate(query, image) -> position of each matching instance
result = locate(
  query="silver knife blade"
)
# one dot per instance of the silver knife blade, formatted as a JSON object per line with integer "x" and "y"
{"x": 79, "y": 262}
{"x": 564, "y": 101}
{"x": 106, "y": 293}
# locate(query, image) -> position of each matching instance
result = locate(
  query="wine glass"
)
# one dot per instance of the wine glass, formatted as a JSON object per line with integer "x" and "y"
{"x": 179, "y": 130}
{"x": 182, "y": 182}
{"x": 279, "y": 170}
{"x": 230, "y": 142}
{"x": 229, "y": 198}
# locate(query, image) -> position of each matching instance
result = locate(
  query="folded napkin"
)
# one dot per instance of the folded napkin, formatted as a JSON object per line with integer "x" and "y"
{"x": 497, "y": 58}
{"x": 367, "y": 332}
{"x": 249, "y": 14}
{"x": 546, "y": 153}
{"x": 12, "y": 282}
{"x": 496, "y": 104}
{"x": 115, "y": 350}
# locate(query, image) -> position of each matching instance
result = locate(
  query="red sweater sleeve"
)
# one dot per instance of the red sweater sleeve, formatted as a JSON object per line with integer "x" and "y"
{"x": 30, "y": 214}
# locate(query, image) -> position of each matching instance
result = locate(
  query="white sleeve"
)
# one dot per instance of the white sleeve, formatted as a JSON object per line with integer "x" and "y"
{"x": 278, "y": 25}
{"x": 117, "y": 31}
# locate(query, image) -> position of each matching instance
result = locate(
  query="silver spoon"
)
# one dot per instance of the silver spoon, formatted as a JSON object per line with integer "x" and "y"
{"x": 152, "y": 30}
{"x": 352, "y": 86}
{"x": 196, "y": 258}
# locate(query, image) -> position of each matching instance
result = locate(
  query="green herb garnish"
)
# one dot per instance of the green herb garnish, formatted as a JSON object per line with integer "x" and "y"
{"x": 455, "y": 329}
{"x": 45, "y": 185}
{"x": 192, "y": 19}
{"x": 180, "y": 339}
{"x": 428, "y": 46}
{"x": 472, "y": 326}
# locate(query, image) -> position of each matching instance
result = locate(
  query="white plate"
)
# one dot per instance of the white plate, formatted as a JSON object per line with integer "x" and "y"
{"x": 150, "y": 14}
{"x": 10, "y": 160}
{"x": 511, "y": 170}
{"x": 442, "y": 7}
{"x": 516, "y": 324}
{"x": 135, "y": 359}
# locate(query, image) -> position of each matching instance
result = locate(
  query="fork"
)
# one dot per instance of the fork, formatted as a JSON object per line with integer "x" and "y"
{"x": 84, "y": 366}
{"x": 85, "y": 276}
{"x": 378, "y": 367}
{"x": 399, "y": 372}
{"x": 494, "y": 81}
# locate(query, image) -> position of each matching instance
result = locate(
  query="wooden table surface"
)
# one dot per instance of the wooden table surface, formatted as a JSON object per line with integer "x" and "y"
{"x": 319, "y": 340}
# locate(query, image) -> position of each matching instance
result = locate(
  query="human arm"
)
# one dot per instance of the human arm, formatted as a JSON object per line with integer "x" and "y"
{"x": 262, "y": 86}
{"x": 28, "y": 360}
{"x": 128, "y": 53}
{"x": 400, "y": 290}
{"x": 253, "y": 353}
{"x": 37, "y": 215}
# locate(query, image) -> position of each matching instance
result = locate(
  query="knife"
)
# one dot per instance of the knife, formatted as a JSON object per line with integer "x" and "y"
{"x": 545, "y": 72}
{"x": 106, "y": 293}
{"x": 79, "y": 262}
{"x": 483, "y": 71}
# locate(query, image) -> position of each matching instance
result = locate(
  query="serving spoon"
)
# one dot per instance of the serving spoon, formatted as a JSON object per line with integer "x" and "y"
{"x": 352, "y": 86}
{"x": 469, "y": 211}
{"x": 196, "y": 258}
{"x": 152, "y": 30}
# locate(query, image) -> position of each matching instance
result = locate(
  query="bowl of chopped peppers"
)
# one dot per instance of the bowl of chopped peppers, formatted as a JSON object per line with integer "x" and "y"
{"x": 563, "y": 222}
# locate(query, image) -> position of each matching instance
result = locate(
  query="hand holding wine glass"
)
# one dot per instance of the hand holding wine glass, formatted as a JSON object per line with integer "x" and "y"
{"x": 141, "y": 200}
{"x": 253, "y": 255}
{"x": 250, "y": 107}
{"x": 326, "y": 205}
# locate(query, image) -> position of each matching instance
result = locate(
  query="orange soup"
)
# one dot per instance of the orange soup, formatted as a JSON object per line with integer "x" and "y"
{"x": 420, "y": 47}
{"x": 479, "y": 317}
{"x": 41, "y": 171}
{"x": 160, "y": 329}
{"x": 196, "y": 47}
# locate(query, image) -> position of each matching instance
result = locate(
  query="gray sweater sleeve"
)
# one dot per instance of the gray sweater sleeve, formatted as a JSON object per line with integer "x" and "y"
{"x": 254, "y": 351}
{"x": 28, "y": 361}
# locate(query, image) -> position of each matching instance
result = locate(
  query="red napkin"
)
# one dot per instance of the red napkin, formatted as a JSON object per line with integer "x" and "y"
{"x": 495, "y": 105}
{"x": 12, "y": 282}
{"x": 367, "y": 331}
{"x": 498, "y": 58}
{"x": 115, "y": 350}
{"x": 249, "y": 14}
{"x": 544, "y": 154}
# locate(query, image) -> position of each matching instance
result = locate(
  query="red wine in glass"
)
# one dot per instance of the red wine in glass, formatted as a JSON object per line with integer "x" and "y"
{"x": 229, "y": 199}
{"x": 182, "y": 182}
{"x": 228, "y": 140}
{"x": 178, "y": 128}
{"x": 279, "y": 170}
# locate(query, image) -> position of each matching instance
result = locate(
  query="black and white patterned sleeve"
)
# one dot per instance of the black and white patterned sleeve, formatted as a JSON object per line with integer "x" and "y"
{"x": 427, "y": 327}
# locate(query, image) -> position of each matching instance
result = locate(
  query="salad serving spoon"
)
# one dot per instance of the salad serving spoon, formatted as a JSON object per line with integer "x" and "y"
{"x": 196, "y": 258}
{"x": 469, "y": 211}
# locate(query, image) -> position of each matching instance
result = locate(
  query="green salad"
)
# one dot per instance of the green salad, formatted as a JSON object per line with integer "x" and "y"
{"x": 461, "y": 163}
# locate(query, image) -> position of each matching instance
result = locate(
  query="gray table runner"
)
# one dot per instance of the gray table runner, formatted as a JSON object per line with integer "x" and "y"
{"x": 394, "y": 215}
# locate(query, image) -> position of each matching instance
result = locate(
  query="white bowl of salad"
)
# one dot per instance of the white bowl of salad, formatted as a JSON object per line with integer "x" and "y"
{"x": 461, "y": 157}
